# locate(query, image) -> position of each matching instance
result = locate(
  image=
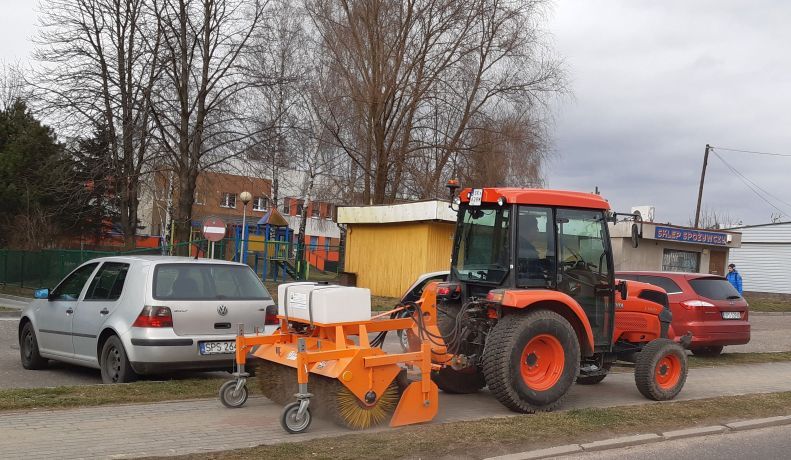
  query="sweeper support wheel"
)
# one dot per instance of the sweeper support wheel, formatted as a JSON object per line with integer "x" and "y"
{"x": 294, "y": 422}
{"x": 233, "y": 394}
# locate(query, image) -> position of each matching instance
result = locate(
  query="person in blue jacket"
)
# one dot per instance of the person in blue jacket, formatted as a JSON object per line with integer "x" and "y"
{"x": 734, "y": 278}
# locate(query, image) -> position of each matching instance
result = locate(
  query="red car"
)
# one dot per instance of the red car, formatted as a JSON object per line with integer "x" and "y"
{"x": 705, "y": 305}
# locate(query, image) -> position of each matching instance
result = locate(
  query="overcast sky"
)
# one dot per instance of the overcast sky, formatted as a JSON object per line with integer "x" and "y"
{"x": 653, "y": 82}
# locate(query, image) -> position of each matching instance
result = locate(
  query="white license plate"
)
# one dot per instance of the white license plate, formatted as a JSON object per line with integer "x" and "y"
{"x": 731, "y": 315}
{"x": 476, "y": 196}
{"x": 217, "y": 348}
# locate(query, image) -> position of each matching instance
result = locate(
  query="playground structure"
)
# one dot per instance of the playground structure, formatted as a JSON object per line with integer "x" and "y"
{"x": 269, "y": 246}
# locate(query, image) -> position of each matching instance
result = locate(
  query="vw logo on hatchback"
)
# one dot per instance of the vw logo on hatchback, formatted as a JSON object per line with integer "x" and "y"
{"x": 222, "y": 310}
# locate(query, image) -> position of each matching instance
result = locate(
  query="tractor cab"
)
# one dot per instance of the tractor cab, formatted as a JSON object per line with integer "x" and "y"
{"x": 528, "y": 239}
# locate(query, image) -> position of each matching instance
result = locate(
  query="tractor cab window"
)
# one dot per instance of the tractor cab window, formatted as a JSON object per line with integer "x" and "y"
{"x": 583, "y": 266}
{"x": 482, "y": 251}
{"x": 535, "y": 247}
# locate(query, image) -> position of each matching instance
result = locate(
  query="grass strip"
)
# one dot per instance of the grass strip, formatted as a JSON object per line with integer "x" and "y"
{"x": 497, "y": 436}
{"x": 732, "y": 359}
{"x": 769, "y": 305}
{"x": 98, "y": 395}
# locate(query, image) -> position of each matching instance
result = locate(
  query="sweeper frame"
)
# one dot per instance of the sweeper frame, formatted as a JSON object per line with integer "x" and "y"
{"x": 328, "y": 350}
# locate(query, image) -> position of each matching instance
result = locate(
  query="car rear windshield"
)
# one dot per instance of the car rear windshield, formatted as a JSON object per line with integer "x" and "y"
{"x": 714, "y": 288}
{"x": 665, "y": 283}
{"x": 207, "y": 282}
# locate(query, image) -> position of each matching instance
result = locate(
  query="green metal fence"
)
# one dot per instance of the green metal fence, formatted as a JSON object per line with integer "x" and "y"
{"x": 46, "y": 267}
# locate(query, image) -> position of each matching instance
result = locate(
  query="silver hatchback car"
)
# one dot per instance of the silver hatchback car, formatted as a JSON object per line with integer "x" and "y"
{"x": 145, "y": 314}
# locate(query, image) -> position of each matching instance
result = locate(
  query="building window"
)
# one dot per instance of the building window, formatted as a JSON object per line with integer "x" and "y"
{"x": 260, "y": 203}
{"x": 315, "y": 210}
{"x": 299, "y": 209}
{"x": 286, "y": 206}
{"x": 680, "y": 261}
{"x": 314, "y": 243}
{"x": 199, "y": 198}
{"x": 326, "y": 245}
{"x": 329, "y": 211}
{"x": 228, "y": 200}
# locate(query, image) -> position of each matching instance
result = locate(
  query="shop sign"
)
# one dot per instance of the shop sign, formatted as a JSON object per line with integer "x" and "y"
{"x": 690, "y": 236}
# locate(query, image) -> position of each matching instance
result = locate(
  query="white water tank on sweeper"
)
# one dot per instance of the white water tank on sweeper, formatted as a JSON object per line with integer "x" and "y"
{"x": 323, "y": 303}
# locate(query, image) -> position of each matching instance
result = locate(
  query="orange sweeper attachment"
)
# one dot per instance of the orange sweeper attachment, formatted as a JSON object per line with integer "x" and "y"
{"x": 322, "y": 361}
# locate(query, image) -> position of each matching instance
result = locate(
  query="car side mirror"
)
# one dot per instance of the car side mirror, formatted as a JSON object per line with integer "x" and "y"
{"x": 41, "y": 294}
{"x": 623, "y": 289}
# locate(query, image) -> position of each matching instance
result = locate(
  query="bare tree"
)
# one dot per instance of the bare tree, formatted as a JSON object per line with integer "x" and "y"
{"x": 96, "y": 68}
{"x": 416, "y": 76}
{"x": 716, "y": 219}
{"x": 279, "y": 62}
{"x": 12, "y": 85}
{"x": 196, "y": 102}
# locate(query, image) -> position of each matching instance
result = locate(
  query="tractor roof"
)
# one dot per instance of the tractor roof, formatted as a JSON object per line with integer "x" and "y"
{"x": 537, "y": 196}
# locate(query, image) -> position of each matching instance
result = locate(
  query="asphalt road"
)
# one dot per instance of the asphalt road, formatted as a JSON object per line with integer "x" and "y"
{"x": 769, "y": 333}
{"x": 13, "y": 375}
{"x": 766, "y": 444}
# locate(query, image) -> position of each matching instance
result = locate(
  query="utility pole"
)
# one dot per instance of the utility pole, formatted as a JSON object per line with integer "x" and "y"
{"x": 700, "y": 190}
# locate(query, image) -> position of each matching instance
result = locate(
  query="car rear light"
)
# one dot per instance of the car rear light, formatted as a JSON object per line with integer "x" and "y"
{"x": 154, "y": 317}
{"x": 271, "y": 316}
{"x": 693, "y": 304}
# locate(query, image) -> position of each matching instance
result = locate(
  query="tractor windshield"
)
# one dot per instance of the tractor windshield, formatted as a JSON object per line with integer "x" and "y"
{"x": 482, "y": 249}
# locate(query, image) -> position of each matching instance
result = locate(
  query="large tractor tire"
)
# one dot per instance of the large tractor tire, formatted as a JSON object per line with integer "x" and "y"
{"x": 449, "y": 380}
{"x": 661, "y": 370}
{"x": 531, "y": 360}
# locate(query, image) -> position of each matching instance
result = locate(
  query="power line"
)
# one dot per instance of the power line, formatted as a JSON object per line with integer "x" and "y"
{"x": 753, "y": 151}
{"x": 753, "y": 186}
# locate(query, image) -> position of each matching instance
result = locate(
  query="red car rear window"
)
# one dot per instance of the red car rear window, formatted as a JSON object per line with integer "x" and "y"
{"x": 714, "y": 288}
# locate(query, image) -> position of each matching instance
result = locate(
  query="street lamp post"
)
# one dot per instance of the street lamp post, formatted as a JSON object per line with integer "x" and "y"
{"x": 245, "y": 197}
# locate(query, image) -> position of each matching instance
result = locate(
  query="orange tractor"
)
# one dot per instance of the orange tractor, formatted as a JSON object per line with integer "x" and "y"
{"x": 531, "y": 305}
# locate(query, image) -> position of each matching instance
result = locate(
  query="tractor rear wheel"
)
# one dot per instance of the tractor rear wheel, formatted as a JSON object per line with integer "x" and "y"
{"x": 661, "y": 370}
{"x": 531, "y": 360}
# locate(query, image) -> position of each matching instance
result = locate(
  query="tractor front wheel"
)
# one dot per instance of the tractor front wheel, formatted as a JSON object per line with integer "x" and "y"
{"x": 531, "y": 360}
{"x": 661, "y": 370}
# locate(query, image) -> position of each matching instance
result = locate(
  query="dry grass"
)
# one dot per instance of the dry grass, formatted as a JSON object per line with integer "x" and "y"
{"x": 98, "y": 395}
{"x": 764, "y": 304}
{"x": 733, "y": 359}
{"x": 490, "y": 437}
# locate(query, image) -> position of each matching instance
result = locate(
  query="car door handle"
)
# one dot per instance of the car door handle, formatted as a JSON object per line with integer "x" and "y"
{"x": 104, "y": 311}
{"x": 69, "y": 311}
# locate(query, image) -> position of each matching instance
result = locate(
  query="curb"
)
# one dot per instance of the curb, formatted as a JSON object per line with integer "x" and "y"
{"x": 15, "y": 297}
{"x": 648, "y": 438}
{"x": 770, "y": 313}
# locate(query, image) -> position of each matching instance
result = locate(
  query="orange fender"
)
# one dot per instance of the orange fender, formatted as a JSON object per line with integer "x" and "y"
{"x": 526, "y": 298}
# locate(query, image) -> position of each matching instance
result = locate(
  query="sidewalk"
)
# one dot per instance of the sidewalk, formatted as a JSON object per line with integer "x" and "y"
{"x": 204, "y": 425}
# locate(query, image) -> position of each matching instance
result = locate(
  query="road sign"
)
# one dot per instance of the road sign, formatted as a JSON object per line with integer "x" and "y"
{"x": 214, "y": 229}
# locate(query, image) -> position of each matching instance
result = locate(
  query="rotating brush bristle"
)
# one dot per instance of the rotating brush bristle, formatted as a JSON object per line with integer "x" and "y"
{"x": 355, "y": 414}
{"x": 276, "y": 381}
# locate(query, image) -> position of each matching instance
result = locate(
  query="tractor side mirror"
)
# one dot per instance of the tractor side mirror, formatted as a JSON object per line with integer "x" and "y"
{"x": 622, "y": 288}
